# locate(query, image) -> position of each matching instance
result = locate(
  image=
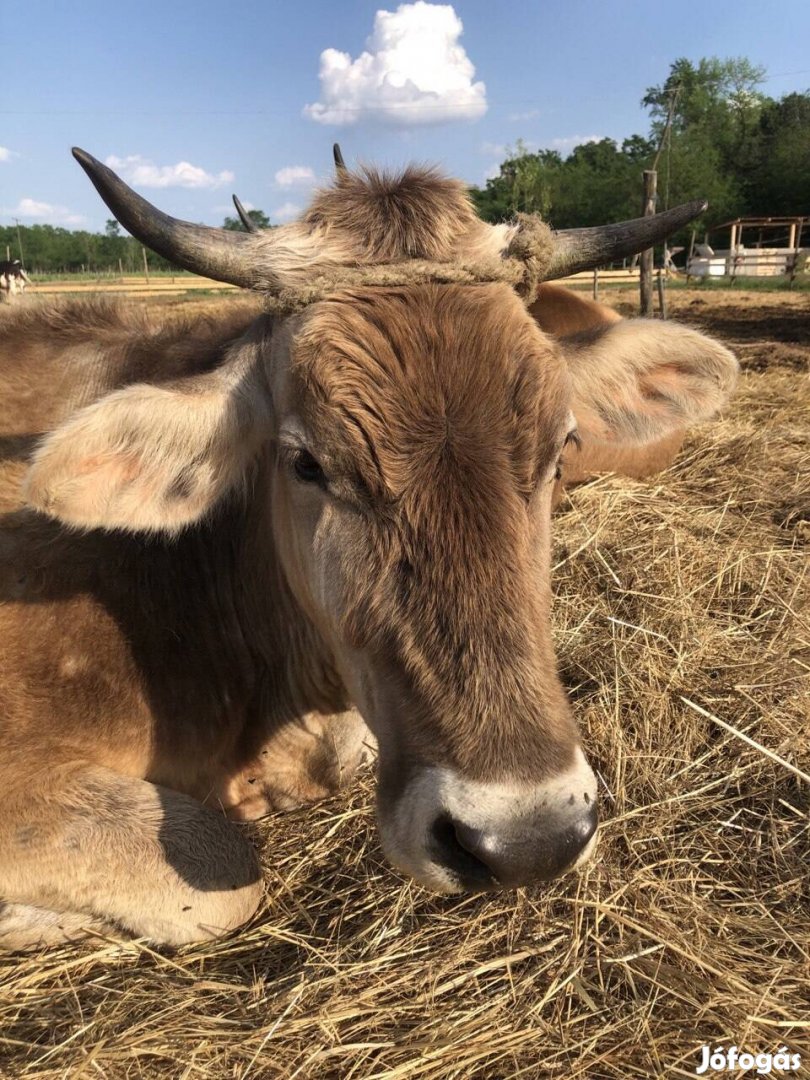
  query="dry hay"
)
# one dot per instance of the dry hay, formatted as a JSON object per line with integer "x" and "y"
{"x": 691, "y": 925}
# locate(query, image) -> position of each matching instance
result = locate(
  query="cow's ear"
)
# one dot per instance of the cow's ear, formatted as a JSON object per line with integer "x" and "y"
{"x": 638, "y": 380}
{"x": 152, "y": 458}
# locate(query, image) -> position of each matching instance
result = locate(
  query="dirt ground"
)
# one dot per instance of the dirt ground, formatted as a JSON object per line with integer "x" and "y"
{"x": 772, "y": 326}
{"x": 682, "y": 624}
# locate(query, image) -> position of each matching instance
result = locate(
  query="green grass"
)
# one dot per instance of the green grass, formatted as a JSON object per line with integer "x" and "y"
{"x": 105, "y": 275}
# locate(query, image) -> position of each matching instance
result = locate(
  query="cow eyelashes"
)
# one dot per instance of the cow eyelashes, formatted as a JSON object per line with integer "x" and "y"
{"x": 306, "y": 468}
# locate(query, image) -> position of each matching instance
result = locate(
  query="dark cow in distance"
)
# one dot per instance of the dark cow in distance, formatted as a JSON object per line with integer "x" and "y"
{"x": 13, "y": 278}
{"x": 238, "y": 550}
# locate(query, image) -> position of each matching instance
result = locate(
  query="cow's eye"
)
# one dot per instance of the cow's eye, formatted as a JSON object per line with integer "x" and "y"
{"x": 307, "y": 469}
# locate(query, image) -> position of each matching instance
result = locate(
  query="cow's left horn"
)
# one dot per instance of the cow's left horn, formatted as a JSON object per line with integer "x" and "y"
{"x": 216, "y": 253}
{"x": 584, "y": 249}
{"x": 244, "y": 216}
{"x": 340, "y": 164}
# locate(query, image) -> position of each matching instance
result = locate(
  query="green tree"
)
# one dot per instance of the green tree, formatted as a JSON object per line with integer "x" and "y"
{"x": 707, "y": 93}
{"x": 779, "y": 179}
{"x": 714, "y": 102}
{"x": 599, "y": 183}
{"x": 527, "y": 183}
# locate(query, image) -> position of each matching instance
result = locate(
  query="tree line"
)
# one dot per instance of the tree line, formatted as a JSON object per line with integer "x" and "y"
{"x": 712, "y": 130}
{"x": 714, "y": 135}
{"x": 53, "y": 249}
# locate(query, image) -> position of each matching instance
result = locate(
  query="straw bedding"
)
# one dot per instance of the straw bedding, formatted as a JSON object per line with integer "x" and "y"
{"x": 681, "y": 623}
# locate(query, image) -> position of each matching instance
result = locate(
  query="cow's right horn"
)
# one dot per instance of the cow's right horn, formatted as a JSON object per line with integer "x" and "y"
{"x": 584, "y": 249}
{"x": 216, "y": 253}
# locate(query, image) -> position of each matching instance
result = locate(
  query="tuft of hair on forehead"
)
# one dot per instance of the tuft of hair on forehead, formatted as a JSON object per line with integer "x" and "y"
{"x": 385, "y": 217}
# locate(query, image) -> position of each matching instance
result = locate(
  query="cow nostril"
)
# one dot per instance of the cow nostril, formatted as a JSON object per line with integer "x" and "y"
{"x": 472, "y": 840}
{"x": 484, "y": 860}
{"x": 454, "y": 846}
{"x": 575, "y": 842}
{"x": 585, "y": 827}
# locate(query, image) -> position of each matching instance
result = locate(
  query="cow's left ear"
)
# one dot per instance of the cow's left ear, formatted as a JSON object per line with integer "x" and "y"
{"x": 153, "y": 458}
{"x": 638, "y": 380}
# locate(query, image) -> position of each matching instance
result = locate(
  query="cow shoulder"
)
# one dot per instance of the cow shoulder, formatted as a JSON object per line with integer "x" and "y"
{"x": 560, "y": 311}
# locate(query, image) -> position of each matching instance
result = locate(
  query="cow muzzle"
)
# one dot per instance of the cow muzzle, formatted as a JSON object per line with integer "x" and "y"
{"x": 458, "y": 835}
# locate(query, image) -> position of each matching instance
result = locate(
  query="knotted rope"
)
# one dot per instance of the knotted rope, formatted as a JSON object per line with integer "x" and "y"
{"x": 522, "y": 266}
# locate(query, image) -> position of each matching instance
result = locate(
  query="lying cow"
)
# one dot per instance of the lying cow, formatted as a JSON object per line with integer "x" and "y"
{"x": 228, "y": 545}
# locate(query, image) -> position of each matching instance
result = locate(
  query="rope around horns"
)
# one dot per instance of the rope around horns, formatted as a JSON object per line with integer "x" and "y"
{"x": 522, "y": 266}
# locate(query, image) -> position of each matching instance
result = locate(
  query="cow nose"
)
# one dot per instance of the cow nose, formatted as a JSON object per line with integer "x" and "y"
{"x": 487, "y": 860}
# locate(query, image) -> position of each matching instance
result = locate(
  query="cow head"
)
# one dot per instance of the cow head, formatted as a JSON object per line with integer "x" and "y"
{"x": 411, "y": 434}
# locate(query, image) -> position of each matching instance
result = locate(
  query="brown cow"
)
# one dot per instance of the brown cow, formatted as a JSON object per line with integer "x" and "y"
{"x": 220, "y": 538}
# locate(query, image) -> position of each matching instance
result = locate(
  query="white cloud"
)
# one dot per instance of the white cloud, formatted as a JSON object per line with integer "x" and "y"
{"x": 286, "y": 212}
{"x": 493, "y": 149}
{"x": 140, "y": 172}
{"x": 413, "y": 71}
{"x": 505, "y": 150}
{"x": 6, "y": 154}
{"x": 43, "y": 211}
{"x": 517, "y": 117}
{"x": 291, "y": 175}
{"x": 502, "y": 151}
{"x": 570, "y": 141}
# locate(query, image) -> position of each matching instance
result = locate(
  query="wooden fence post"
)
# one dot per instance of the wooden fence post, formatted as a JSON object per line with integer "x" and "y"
{"x": 596, "y": 284}
{"x": 662, "y": 296}
{"x": 796, "y": 236}
{"x": 689, "y": 256}
{"x": 646, "y": 260}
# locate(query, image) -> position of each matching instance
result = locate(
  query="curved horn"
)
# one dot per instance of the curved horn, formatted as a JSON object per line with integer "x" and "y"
{"x": 583, "y": 249}
{"x": 216, "y": 253}
{"x": 244, "y": 217}
{"x": 340, "y": 164}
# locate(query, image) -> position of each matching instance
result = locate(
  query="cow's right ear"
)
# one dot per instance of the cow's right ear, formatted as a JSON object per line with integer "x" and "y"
{"x": 153, "y": 458}
{"x": 637, "y": 381}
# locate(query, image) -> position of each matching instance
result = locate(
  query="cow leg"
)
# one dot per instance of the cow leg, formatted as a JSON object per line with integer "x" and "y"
{"x": 114, "y": 849}
{"x": 23, "y": 926}
{"x": 308, "y": 759}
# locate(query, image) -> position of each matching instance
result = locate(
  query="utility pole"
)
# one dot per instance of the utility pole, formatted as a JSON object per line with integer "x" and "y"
{"x": 648, "y": 210}
{"x": 646, "y": 257}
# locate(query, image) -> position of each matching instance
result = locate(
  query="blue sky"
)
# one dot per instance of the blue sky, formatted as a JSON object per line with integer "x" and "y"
{"x": 193, "y": 100}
